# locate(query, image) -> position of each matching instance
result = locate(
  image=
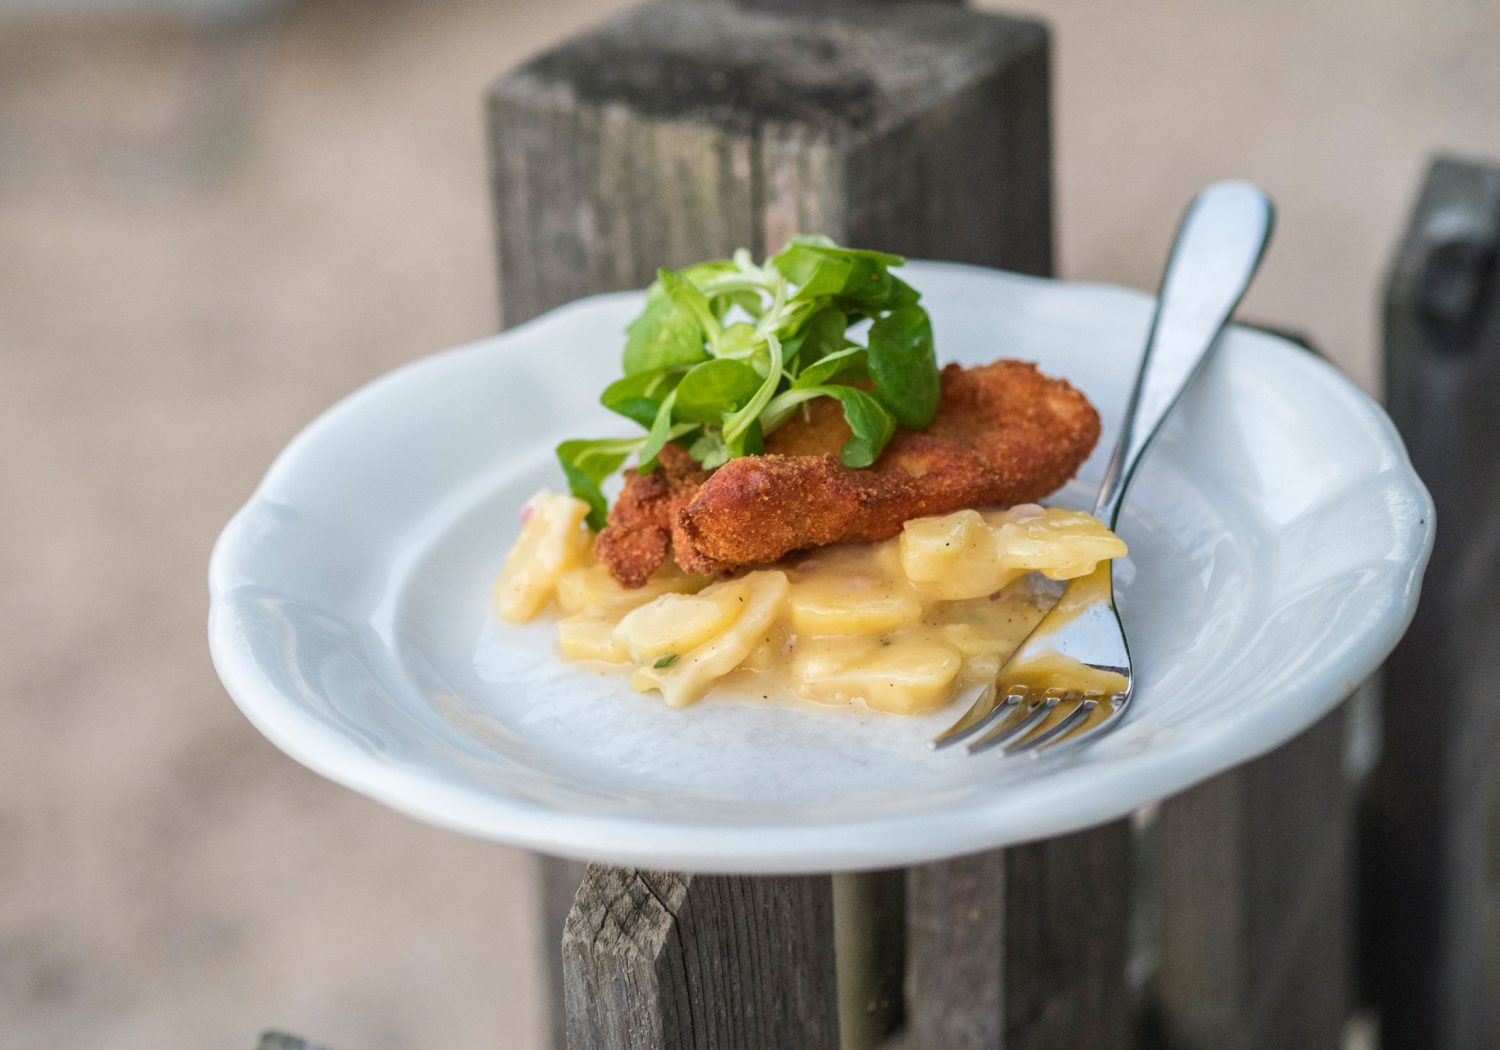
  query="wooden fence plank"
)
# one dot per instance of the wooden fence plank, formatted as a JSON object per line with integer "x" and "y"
{"x": 1067, "y": 904}
{"x": 1251, "y": 880}
{"x": 661, "y": 961}
{"x": 1023, "y": 947}
{"x": 1429, "y": 828}
{"x": 956, "y": 952}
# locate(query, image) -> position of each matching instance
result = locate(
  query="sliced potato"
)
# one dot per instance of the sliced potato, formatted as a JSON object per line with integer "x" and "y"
{"x": 684, "y": 676}
{"x": 906, "y": 674}
{"x": 968, "y": 555}
{"x": 817, "y": 660}
{"x": 1060, "y": 543}
{"x": 592, "y": 587}
{"x": 680, "y": 623}
{"x": 585, "y": 638}
{"x": 553, "y": 540}
{"x": 953, "y": 556}
{"x": 851, "y": 604}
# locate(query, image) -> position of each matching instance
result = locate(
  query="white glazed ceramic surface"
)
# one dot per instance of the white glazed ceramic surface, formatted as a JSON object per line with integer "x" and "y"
{"x": 1277, "y": 536}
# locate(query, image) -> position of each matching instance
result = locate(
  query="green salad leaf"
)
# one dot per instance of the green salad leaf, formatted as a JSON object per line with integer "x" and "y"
{"x": 663, "y": 335}
{"x": 844, "y": 362}
{"x": 713, "y": 387}
{"x": 587, "y": 463}
{"x": 725, "y": 351}
{"x": 639, "y": 396}
{"x": 659, "y": 434}
{"x": 903, "y": 364}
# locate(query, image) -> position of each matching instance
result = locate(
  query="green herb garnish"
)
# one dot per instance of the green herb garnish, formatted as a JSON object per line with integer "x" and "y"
{"x": 725, "y": 351}
{"x": 664, "y": 662}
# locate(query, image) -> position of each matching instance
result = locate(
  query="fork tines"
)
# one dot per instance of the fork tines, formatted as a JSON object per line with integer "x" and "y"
{"x": 1016, "y": 722}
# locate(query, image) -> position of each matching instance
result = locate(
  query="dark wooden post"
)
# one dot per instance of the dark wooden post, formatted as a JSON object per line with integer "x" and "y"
{"x": 657, "y": 961}
{"x": 1251, "y": 897}
{"x": 682, "y": 131}
{"x": 1431, "y": 849}
{"x": 1024, "y": 947}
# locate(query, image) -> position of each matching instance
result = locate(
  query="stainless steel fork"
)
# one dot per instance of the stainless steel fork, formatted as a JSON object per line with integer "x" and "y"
{"x": 1071, "y": 679}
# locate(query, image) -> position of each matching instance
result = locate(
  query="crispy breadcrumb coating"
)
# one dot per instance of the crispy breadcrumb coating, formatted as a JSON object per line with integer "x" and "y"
{"x": 1004, "y": 434}
{"x": 639, "y": 534}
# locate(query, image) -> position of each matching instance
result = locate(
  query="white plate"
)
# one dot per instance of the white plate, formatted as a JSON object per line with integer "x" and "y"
{"x": 1277, "y": 533}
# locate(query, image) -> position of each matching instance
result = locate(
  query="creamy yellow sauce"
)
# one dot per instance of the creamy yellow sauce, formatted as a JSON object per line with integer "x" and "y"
{"x": 897, "y": 627}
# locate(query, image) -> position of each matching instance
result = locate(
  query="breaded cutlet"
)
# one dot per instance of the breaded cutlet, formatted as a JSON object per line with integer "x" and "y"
{"x": 1004, "y": 434}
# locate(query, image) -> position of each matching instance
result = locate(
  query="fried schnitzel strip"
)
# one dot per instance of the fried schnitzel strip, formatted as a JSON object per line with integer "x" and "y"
{"x": 640, "y": 531}
{"x": 1004, "y": 434}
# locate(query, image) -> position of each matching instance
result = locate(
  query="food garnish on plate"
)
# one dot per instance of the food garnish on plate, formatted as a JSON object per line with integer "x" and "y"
{"x": 814, "y": 508}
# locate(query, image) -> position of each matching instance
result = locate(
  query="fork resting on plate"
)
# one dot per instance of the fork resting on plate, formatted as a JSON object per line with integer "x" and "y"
{"x": 1071, "y": 679}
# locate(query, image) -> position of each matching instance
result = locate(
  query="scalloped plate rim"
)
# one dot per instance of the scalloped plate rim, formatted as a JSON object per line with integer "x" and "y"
{"x": 428, "y": 795}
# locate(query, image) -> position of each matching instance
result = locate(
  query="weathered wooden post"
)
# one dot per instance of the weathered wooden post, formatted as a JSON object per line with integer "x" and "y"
{"x": 1431, "y": 843}
{"x": 1248, "y": 895}
{"x": 1023, "y": 947}
{"x": 681, "y": 131}
{"x": 667, "y": 961}
{"x": 1251, "y": 878}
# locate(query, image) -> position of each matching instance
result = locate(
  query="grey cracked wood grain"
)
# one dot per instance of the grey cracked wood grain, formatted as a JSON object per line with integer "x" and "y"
{"x": 667, "y": 961}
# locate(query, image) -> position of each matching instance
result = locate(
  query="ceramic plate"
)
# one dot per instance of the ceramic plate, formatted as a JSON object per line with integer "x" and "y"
{"x": 1277, "y": 534}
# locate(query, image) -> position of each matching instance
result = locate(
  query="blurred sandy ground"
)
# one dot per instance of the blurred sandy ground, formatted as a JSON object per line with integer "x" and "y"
{"x": 210, "y": 231}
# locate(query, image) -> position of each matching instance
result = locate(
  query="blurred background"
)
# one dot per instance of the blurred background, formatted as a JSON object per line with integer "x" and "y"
{"x": 216, "y": 218}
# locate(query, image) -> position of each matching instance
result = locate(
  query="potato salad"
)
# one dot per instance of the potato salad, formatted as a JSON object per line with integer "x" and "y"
{"x": 896, "y": 627}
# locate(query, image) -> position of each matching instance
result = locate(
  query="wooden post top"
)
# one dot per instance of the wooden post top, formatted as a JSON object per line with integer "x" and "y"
{"x": 679, "y": 131}
{"x": 740, "y": 70}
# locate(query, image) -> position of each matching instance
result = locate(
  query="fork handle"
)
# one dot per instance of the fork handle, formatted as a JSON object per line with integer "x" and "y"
{"x": 1218, "y": 248}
